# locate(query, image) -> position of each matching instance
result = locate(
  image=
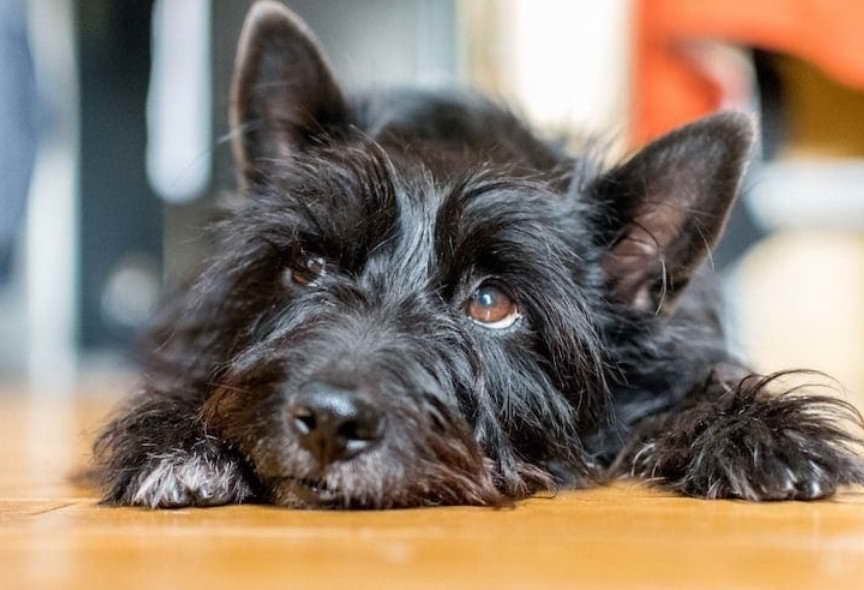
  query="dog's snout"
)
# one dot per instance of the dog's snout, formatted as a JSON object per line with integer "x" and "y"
{"x": 334, "y": 424}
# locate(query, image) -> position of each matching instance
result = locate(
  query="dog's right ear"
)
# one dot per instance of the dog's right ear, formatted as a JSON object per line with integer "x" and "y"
{"x": 665, "y": 208}
{"x": 283, "y": 94}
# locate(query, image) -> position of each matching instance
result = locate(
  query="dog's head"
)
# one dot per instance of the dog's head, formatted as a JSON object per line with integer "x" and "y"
{"x": 415, "y": 303}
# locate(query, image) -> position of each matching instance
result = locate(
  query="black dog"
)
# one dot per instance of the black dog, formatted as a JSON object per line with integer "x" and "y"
{"x": 421, "y": 303}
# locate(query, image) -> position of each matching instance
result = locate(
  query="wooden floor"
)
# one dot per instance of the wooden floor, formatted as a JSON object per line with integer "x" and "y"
{"x": 53, "y": 535}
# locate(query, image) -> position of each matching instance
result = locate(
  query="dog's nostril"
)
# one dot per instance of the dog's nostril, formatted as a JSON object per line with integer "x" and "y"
{"x": 358, "y": 430}
{"x": 304, "y": 420}
{"x": 334, "y": 424}
{"x": 348, "y": 430}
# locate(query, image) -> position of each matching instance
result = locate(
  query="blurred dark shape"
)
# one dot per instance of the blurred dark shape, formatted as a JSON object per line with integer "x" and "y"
{"x": 772, "y": 106}
{"x": 18, "y": 107}
{"x": 120, "y": 216}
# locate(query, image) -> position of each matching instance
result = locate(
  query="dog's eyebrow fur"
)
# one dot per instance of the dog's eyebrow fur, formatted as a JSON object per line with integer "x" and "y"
{"x": 387, "y": 210}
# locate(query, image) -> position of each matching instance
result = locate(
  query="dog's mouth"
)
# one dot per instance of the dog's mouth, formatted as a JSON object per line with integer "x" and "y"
{"x": 314, "y": 486}
{"x": 303, "y": 492}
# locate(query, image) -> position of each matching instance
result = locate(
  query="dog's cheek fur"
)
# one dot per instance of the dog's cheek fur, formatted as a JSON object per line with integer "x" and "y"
{"x": 527, "y": 425}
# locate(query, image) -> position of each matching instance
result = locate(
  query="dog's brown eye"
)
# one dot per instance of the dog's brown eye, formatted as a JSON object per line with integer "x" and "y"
{"x": 491, "y": 307}
{"x": 310, "y": 269}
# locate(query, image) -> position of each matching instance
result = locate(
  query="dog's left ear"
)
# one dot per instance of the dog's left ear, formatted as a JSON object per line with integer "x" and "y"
{"x": 283, "y": 95}
{"x": 665, "y": 208}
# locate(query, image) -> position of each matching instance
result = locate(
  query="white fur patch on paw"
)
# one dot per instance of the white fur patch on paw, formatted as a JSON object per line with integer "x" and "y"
{"x": 184, "y": 479}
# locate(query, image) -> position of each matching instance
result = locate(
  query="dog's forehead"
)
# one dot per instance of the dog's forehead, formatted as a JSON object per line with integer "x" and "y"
{"x": 478, "y": 218}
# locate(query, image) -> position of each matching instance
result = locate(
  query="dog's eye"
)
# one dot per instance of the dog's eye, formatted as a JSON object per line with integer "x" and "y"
{"x": 491, "y": 307}
{"x": 310, "y": 269}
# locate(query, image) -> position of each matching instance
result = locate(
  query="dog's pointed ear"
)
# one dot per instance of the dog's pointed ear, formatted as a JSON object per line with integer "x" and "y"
{"x": 665, "y": 208}
{"x": 283, "y": 94}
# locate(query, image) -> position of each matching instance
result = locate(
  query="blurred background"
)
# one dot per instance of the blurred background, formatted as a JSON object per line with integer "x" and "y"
{"x": 112, "y": 151}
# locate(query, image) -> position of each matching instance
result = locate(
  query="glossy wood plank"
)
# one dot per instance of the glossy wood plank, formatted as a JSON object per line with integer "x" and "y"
{"x": 54, "y": 535}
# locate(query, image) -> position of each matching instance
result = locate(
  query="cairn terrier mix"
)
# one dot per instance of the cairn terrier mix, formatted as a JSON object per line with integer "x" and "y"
{"x": 419, "y": 302}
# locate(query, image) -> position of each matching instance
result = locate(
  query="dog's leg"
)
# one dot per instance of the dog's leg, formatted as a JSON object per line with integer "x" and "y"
{"x": 158, "y": 454}
{"x": 734, "y": 439}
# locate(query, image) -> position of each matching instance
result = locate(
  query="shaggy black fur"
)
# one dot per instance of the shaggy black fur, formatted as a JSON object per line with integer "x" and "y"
{"x": 420, "y": 303}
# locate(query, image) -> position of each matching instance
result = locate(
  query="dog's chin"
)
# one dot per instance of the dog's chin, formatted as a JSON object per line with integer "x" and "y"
{"x": 319, "y": 494}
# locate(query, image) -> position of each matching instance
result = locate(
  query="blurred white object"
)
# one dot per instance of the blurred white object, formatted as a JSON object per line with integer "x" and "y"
{"x": 565, "y": 63}
{"x": 179, "y": 103}
{"x": 131, "y": 291}
{"x": 814, "y": 194}
{"x": 51, "y": 242}
{"x": 798, "y": 297}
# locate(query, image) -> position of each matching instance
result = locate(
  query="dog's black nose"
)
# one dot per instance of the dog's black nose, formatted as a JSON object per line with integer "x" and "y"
{"x": 334, "y": 424}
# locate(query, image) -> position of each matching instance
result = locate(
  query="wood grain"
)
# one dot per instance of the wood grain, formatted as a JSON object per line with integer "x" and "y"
{"x": 54, "y": 535}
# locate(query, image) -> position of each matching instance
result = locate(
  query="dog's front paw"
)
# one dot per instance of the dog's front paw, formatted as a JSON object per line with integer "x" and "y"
{"x": 738, "y": 469}
{"x": 179, "y": 479}
{"x": 783, "y": 448}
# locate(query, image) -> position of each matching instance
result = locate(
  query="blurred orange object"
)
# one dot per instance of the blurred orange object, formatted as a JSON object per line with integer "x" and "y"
{"x": 670, "y": 87}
